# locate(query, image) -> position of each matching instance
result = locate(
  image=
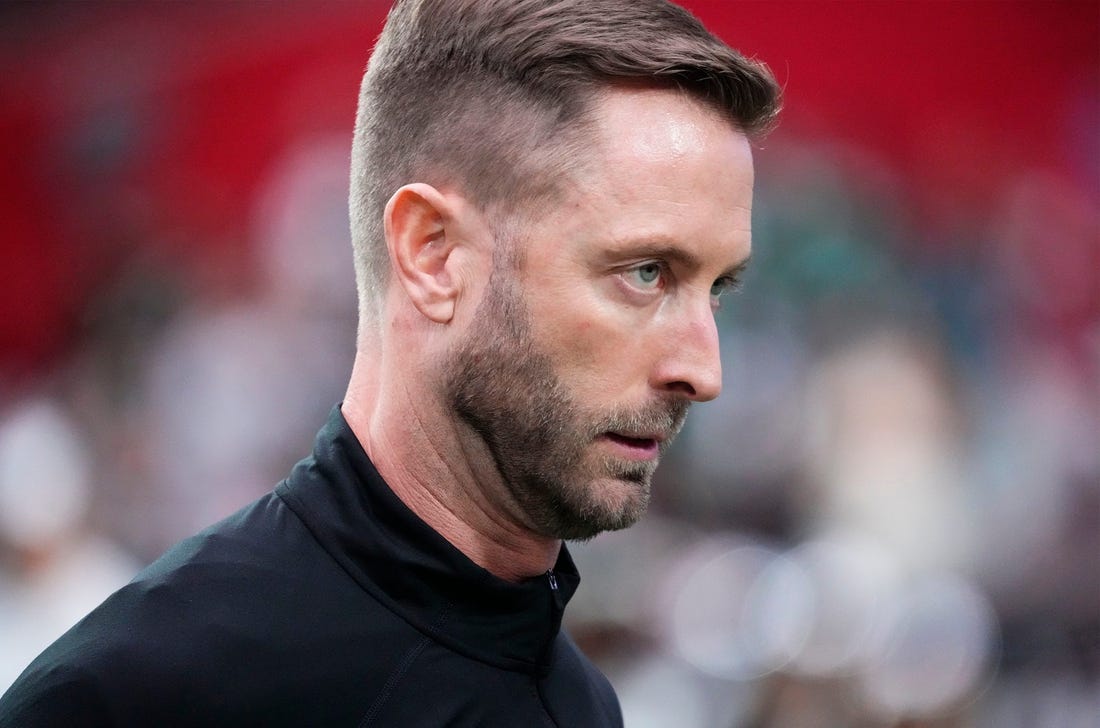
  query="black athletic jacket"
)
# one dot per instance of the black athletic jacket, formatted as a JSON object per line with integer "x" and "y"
{"x": 324, "y": 603}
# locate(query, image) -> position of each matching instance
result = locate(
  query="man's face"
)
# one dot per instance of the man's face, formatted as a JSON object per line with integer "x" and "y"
{"x": 597, "y": 328}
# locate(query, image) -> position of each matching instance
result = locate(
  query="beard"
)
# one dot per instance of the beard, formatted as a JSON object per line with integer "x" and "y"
{"x": 506, "y": 390}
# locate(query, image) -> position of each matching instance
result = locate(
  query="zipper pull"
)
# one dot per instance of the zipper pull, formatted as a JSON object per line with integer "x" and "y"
{"x": 553, "y": 579}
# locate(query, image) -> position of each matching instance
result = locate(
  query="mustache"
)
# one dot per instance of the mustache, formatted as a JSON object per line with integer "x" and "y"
{"x": 662, "y": 418}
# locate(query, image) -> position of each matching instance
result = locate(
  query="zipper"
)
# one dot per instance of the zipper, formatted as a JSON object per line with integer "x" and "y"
{"x": 556, "y": 608}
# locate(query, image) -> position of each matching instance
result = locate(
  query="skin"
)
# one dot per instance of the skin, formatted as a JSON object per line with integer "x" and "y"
{"x": 606, "y": 300}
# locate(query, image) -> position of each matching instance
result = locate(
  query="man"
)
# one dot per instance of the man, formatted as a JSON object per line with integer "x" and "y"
{"x": 548, "y": 198}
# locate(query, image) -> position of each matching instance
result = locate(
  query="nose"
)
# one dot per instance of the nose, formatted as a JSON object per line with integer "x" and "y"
{"x": 690, "y": 364}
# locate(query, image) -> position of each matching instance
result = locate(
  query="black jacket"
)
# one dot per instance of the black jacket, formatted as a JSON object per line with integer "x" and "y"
{"x": 325, "y": 603}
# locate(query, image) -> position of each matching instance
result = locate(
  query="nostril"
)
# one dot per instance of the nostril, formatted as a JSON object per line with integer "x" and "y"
{"x": 683, "y": 387}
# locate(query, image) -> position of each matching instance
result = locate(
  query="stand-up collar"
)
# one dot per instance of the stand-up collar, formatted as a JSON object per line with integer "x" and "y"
{"x": 413, "y": 570}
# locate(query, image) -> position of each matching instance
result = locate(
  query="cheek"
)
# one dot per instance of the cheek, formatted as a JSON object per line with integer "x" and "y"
{"x": 592, "y": 338}
{"x": 596, "y": 356}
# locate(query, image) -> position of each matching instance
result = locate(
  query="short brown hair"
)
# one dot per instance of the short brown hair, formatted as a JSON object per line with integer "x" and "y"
{"x": 491, "y": 94}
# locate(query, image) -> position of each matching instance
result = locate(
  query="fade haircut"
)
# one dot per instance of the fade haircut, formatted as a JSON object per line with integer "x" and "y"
{"x": 493, "y": 96}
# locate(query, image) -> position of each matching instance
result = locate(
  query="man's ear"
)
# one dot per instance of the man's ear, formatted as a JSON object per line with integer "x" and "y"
{"x": 420, "y": 234}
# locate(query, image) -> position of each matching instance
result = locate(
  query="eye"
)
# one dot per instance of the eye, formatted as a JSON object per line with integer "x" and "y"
{"x": 647, "y": 276}
{"x": 721, "y": 286}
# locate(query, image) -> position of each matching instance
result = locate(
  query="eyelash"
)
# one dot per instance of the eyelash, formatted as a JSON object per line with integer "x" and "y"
{"x": 724, "y": 285}
{"x": 658, "y": 283}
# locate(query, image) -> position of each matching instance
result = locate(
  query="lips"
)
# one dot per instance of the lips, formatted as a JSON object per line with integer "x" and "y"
{"x": 634, "y": 447}
{"x": 645, "y": 441}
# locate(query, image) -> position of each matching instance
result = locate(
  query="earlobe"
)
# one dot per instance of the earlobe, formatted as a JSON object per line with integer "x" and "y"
{"x": 421, "y": 241}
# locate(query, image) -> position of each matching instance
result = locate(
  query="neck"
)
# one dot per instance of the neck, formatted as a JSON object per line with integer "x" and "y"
{"x": 454, "y": 488}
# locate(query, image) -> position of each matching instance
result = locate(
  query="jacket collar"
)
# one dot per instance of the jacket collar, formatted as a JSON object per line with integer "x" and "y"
{"x": 414, "y": 571}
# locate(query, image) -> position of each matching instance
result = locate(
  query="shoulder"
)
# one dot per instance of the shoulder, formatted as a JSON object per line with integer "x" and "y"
{"x": 250, "y": 608}
{"x": 54, "y": 695}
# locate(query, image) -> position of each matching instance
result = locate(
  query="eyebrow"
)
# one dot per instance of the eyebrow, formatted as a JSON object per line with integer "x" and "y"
{"x": 736, "y": 271}
{"x": 665, "y": 251}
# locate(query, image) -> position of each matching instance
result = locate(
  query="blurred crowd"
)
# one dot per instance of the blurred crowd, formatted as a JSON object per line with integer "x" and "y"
{"x": 890, "y": 518}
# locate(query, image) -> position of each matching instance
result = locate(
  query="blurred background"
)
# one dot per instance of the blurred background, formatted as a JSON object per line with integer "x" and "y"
{"x": 892, "y": 516}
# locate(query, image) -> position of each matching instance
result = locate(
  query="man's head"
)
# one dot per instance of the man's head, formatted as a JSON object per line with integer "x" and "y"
{"x": 550, "y": 196}
{"x": 496, "y": 96}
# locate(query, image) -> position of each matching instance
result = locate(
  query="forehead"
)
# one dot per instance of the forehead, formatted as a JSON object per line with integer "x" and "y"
{"x": 652, "y": 122}
{"x": 663, "y": 165}
{"x": 665, "y": 131}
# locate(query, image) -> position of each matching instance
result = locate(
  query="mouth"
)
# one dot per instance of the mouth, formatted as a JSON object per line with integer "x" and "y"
{"x": 635, "y": 446}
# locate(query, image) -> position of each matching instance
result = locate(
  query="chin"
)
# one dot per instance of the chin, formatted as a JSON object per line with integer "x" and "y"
{"x": 610, "y": 504}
